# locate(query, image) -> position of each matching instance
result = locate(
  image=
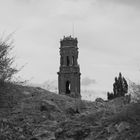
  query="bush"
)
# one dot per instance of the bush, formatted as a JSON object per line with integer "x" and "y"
{"x": 120, "y": 88}
{"x": 129, "y": 113}
{"x": 110, "y": 96}
{"x": 134, "y": 90}
{"x": 6, "y": 61}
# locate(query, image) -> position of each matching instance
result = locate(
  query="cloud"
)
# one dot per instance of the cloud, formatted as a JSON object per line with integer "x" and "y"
{"x": 91, "y": 95}
{"x": 108, "y": 36}
{"x": 134, "y": 3}
{"x": 87, "y": 81}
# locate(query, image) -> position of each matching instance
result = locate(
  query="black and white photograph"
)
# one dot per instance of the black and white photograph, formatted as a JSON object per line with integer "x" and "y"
{"x": 69, "y": 69}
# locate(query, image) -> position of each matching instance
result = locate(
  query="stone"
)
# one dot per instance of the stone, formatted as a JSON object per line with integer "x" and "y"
{"x": 47, "y": 105}
{"x": 99, "y": 100}
{"x": 22, "y": 137}
{"x": 112, "y": 137}
{"x": 26, "y": 92}
{"x": 111, "y": 129}
{"x": 122, "y": 126}
{"x": 34, "y": 138}
{"x": 59, "y": 130}
{"x": 45, "y": 135}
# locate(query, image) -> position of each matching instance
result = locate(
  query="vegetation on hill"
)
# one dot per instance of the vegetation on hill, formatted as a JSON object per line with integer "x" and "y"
{"x": 120, "y": 88}
{"x": 34, "y": 113}
{"x": 7, "y": 70}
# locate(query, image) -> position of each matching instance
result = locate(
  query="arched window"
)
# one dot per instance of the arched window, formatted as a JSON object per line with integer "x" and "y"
{"x": 68, "y": 61}
{"x": 68, "y": 87}
{"x": 72, "y": 60}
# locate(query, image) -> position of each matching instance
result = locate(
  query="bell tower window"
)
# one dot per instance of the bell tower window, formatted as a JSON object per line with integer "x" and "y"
{"x": 72, "y": 60}
{"x": 68, "y": 61}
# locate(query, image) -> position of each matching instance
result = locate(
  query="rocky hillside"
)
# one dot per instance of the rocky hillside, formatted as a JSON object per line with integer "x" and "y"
{"x": 32, "y": 113}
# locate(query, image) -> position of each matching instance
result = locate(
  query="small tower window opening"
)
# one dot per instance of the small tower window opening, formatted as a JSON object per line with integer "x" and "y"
{"x": 68, "y": 87}
{"x": 72, "y": 60}
{"x": 68, "y": 61}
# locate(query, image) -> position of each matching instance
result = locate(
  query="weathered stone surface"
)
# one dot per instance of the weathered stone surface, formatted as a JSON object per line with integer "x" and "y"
{"x": 122, "y": 126}
{"x": 26, "y": 92}
{"x": 111, "y": 129}
{"x": 34, "y": 138}
{"x": 43, "y": 134}
{"x": 99, "y": 100}
{"x": 112, "y": 137}
{"x": 47, "y": 105}
{"x": 59, "y": 118}
{"x": 73, "y": 129}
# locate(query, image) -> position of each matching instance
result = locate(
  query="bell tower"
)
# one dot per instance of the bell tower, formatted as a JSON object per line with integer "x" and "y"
{"x": 69, "y": 71}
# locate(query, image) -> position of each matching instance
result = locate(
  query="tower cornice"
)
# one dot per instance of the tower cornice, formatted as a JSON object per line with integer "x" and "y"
{"x": 68, "y": 42}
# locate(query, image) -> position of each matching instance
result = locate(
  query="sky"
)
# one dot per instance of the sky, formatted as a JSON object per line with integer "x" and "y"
{"x": 108, "y": 34}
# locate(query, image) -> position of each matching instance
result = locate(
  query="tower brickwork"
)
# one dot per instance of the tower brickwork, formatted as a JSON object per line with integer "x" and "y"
{"x": 69, "y": 71}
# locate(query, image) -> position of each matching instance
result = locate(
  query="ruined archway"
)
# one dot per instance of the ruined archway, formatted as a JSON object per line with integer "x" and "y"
{"x": 68, "y": 87}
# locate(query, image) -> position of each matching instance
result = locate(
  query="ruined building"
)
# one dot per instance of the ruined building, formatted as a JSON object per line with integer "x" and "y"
{"x": 69, "y": 72}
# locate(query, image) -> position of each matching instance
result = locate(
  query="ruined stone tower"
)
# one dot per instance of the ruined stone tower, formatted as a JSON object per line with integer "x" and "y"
{"x": 69, "y": 72}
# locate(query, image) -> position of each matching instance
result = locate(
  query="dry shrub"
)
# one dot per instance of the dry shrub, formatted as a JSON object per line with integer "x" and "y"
{"x": 130, "y": 113}
{"x": 7, "y": 70}
{"x": 134, "y": 90}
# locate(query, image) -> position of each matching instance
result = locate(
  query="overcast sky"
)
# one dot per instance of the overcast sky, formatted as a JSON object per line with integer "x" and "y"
{"x": 108, "y": 33}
